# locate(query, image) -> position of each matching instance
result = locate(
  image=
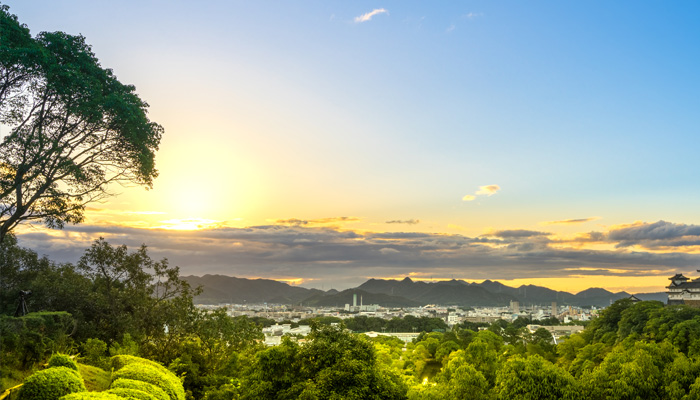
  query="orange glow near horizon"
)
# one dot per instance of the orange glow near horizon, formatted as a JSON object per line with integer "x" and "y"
{"x": 572, "y": 284}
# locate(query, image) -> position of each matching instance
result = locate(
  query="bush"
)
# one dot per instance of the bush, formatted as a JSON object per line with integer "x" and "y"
{"x": 151, "y": 389}
{"x": 92, "y": 396}
{"x": 94, "y": 353}
{"x": 134, "y": 394}
{"x": 51, "y": 384}
{"x": 62, "y": 360}
{"x": 155, "y": 376}
{"x": 122, "y": 360}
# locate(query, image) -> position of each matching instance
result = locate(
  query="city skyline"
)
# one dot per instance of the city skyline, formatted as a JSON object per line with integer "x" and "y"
{"x": 326, "y": 143}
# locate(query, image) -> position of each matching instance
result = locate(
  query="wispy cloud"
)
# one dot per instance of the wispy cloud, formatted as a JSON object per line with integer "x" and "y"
{"x": 516, "y": 233}
{"x": 472, "y": 15}
{"x": 320, "y": 221}
{"x": 488, "y": 190}
{"x": 407, "y": 221}
{"x": 450, "y": 28}
{"x": 368, "y": 16}
{"x": 570, "y": 221}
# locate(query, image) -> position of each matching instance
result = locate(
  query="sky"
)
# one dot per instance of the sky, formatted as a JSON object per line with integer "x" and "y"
{"x": 326, "y": 143}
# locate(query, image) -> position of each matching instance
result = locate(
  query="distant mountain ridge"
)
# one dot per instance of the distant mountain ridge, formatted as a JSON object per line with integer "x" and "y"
{"x": 398, "y": 293}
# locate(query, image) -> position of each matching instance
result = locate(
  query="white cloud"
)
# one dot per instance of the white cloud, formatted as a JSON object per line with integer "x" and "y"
{"x": 468, "y": 197}
{"x": 368, "y": 16}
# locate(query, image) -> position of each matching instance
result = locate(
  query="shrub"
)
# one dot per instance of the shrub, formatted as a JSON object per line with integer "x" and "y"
{"x": 153, "y": 375}
{"x": 131, "y": 394}
{"x": 122, "y": 360}
{"x": 91, "y": 396}
{"x": 51, "y": 384}
{"x": 62, "y": 360}
{"x": 94, "y": 351}
{"x": 151, "y": 389}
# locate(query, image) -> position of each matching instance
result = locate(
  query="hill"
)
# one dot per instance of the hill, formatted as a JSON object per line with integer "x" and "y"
{"x": 398, "y": 293}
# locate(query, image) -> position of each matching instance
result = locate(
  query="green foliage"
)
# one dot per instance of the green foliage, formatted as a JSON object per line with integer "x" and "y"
{"x": 92, "y": 396}
{"x": 153, "y": 390}
{"x": 95, "y": 353}
{"x": 604, "y": 328}
{"x": 134, "y": 394}
{"x": 96, "y": 379}
{"x": 120, "y": 361}
{"x": 30, "y": 339}
{"x": 153, "y": 375}
{"x": 534, "y": 378}
{"x": 127, "y": 346}
{"x": 634, "y": 372}
{"x": 333, "y": 364}
{"x": 74, "y": 128}
{"x": 51, "y": 384}
{"x": 62, "y": 360}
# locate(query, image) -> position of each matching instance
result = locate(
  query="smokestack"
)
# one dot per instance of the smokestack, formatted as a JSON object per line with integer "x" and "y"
{"x": 354, "y": 300}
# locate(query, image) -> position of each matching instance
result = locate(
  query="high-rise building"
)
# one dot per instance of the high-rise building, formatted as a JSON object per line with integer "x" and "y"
{"x": 515, "y": 307}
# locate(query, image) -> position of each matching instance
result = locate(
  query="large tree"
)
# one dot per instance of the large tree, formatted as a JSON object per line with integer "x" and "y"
{"x": 74, "y": 128}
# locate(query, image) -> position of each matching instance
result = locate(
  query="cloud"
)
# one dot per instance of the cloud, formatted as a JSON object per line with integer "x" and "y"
{"x": 472, "y": 15}
{"x": 655, "y": 235}
{"x": 570, "y": 221}
{"x": 516, "y": 233}
{"x": 343, "y": 258}
{"x": 368, "y": 16}
{"x": 488, "y": 190}
{"x": 408, "y": 221}
{"x": 450, "y": 28}
{"x": 320, "y": 221}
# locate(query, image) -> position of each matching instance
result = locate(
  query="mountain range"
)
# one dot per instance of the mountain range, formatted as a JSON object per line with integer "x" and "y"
{"x": 398, "y": 293}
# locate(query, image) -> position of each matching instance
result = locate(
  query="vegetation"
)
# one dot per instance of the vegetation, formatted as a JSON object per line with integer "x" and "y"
{"x": 74, "y": 128}
{"x": 51, "y": 384}
{"x": 131, "y": 324}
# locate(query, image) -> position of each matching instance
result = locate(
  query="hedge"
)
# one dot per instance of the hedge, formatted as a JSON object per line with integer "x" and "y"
{"x": 153, "y": 375}
{"x": 122, "y": 360}
{"x": 51, "y": 384}
{"x": 151, "y": 389}
{"x": 131, "y": 394}
{"x": 92, "y": 396}
{"x": 62, "y": 360}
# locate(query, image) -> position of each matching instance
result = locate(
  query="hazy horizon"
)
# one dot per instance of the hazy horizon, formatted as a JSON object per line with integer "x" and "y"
{"x": 327, "y": 143}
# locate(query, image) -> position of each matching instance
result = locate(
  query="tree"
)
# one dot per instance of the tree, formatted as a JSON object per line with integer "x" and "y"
{"x": 534, "y": 378}
{"x": 74, "y": 128}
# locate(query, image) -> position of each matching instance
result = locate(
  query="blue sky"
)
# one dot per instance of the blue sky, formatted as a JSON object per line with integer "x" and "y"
{"x": 304, "y": 110}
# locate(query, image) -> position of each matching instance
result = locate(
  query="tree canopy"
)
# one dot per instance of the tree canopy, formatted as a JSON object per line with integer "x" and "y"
{"x": 74, "y": 128}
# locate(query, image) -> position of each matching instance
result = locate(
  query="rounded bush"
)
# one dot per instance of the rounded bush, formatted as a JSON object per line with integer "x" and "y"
{"x": 62, "y": 360}
{"x": 51, "y": 384}
{"x": 92, "y": 396}
{"x": 151, "y": 389}
{"x": 167, "y": 381}
{"x": 131, "y": 394}
{"x": 122, "y": 360}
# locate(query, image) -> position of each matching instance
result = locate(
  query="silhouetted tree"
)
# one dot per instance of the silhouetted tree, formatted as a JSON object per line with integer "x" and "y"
{"x": 74, "y": 128}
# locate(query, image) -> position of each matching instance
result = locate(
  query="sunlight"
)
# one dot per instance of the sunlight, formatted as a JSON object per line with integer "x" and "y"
{"x": 189, "y": 224}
